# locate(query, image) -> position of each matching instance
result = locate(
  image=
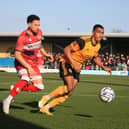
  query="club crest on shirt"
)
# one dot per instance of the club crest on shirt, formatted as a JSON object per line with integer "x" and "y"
{"x": 95, "y": 51}
{"x": 30, "y": 39}
{"x": 87, "y": 49}
{"x": 39, "y": 37}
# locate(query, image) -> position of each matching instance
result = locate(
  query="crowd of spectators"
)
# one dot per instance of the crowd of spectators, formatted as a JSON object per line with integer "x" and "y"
{"x": 54, "y": 64}
{"x": 115, "y": 61}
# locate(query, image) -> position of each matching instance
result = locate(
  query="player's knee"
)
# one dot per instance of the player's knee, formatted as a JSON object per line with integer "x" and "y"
{"x": 70, "y": 88}
{"x": 39, "y": 86}
{"x": 26, "y": 78}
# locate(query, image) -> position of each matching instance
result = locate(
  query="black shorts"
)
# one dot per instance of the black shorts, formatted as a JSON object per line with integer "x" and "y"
{"x": 65, "y": 70}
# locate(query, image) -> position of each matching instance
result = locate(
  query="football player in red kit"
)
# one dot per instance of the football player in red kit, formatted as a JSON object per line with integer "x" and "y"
{"x": 26, "y": 58}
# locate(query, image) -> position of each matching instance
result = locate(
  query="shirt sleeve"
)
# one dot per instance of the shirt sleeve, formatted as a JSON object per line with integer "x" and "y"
{"x": 20, "y": 44}
{"x": 77, "y": 45}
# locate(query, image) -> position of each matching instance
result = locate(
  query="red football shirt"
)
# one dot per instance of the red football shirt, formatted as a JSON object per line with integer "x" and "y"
{"x": 29, "y": 45}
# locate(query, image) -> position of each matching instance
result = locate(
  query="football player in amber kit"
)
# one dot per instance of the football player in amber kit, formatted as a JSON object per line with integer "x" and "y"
{"x": 84, "y": 48}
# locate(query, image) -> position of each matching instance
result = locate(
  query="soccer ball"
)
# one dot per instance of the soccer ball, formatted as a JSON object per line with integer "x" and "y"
{"x": 107, "y": 94}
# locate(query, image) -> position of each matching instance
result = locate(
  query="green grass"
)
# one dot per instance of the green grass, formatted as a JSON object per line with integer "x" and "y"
{"x": 83, "y": 110}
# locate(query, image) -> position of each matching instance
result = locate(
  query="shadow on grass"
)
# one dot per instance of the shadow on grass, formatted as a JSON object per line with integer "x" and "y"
{"x": 33, "y": 104}
{"x": 16, "y": 107}
{"x": 84, "y": 115}
{"x": 37, "y": 111}
{"x": 4, "y": 89}
{"x": 12, "y": 106}
{"x": 9, "y": 122}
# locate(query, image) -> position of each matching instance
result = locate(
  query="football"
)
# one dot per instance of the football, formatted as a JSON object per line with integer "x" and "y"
{"x": 107, "y": 94}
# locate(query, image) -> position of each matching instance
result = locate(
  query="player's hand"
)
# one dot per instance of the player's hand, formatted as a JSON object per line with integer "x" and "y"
{"x": 50, "y": 58}
{"x": 31, "y": 71}
{"x": 108, "y": 70}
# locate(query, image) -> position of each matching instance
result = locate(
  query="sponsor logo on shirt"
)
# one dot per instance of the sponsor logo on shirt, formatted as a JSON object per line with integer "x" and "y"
{"x": 32, "y": 45}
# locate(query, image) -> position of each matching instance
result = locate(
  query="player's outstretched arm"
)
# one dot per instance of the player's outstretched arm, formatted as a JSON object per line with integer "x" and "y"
{"x": 97, "y": 60}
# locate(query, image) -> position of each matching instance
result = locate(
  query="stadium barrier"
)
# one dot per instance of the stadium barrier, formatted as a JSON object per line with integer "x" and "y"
{"x": 102, "y": 72}
{"x": 88, "y": 72}
{"x": 8, "y": 61}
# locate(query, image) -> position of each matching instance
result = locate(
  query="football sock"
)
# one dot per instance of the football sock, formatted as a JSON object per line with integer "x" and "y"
{"x": 61, "y": 90}
{"x": 9, "y": 98}
{"x": 17, "y": 87}
{"x": 56, "y": 101}
{"x": 30, "y": 87}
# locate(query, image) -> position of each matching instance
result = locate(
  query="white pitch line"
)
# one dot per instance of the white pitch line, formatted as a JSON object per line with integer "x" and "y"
{"x": 44, "y": 93}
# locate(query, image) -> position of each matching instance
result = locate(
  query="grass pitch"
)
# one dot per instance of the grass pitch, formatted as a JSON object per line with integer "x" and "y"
{"x": 83, "y": 110}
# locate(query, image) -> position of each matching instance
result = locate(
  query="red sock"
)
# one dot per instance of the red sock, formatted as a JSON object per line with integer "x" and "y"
{"x": 17, "y": 87}
{"x": 30, "y": 87}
